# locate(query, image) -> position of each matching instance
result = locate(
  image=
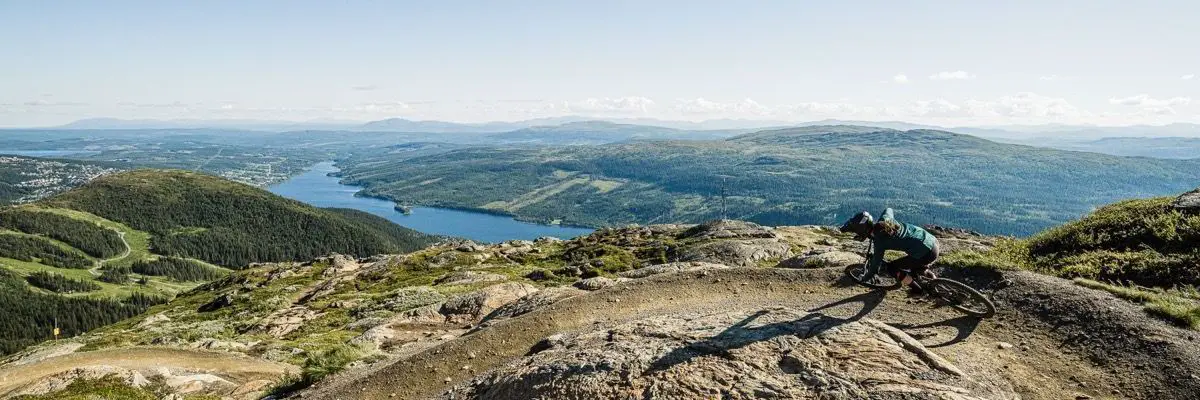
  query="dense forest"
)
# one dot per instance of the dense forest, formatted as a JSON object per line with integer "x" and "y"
{"x": 179, "y": 269}
{"x": 204, "y": 217}
{"x": 59, "y": 283}
{"x": 811, "y": 175}
{"x": 91, "y": 238}
{"x": 115, "y": 274}
{"x": 29, "y": 316}
{"x": 36, "y": 249}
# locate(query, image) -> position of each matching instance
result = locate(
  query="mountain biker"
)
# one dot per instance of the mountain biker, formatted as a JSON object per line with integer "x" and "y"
{"x": 919, "y": 246}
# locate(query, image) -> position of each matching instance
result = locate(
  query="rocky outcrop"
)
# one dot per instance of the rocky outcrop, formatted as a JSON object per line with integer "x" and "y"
{"x": 728, "y": 229}
{"x": 472, "y": 307}
{"x": 1189, "y": 201}
{"x": 153, "y": 320}
{"x": 468, "y": 278}
{"x": 531, "y": 302}
{"x": 670, "y": 268}
{"x": 738, "y": 253}
{"x": 284, "y": 322}
{"x": 61, "y": 380}
{"x": 598, "y": 283}
{"x": 775, "y": 353}
{"x": 832, "y": 259}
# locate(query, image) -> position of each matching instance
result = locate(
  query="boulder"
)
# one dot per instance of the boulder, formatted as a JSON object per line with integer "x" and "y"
{"x": 832, "y": 259}
{"x": 217, "y": 303}
{"x": 598, "y": 283}
{"x": 1189, "y": 201}
{"x": 424, "y": 315}
{"x": 670, "y": 268}
{"x": 471, "y": 307}
{"x": 744, "y": 354}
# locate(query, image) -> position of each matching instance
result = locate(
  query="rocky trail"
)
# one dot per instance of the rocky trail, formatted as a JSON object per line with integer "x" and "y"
{"x": 184, "y": 370}
{"x": 1038, "y": 347}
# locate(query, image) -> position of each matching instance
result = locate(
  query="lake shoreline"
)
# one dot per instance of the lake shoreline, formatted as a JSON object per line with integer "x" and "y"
{"x": 522, "y": 218}
{"x": 321, "y": 186}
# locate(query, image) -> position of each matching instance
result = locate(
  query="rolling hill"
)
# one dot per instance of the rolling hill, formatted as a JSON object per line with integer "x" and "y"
{"x": 108, "y": 249}
{"x": 807, "y": 175}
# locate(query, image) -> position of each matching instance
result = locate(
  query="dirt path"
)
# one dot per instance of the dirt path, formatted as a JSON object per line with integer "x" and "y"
{"x": 238, "y": 367}
{"x": 1041, "y": 364}
{"x": 100, "y": 264}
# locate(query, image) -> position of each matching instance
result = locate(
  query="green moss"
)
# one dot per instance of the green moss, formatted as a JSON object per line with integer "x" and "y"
{"x": 1140, "y": 241}
{"x": 109, "y": 388}
{"x": 1176, "y": 306}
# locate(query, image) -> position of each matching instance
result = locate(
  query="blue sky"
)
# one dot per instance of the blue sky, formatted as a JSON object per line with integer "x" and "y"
{"x": 944, "y": 62}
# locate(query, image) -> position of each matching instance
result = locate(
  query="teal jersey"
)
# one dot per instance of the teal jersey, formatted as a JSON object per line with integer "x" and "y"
{"x": 912, "y": 240}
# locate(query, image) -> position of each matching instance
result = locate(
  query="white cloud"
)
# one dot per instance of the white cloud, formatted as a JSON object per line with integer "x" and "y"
{"x": 1188, "y": 77}
{"x": 48, "y": 103}
{"x": 605, "y": 105}
{"x": 365, "y": 88}
{"x": 1024, "y": 105}
{"x": 951, "y": 75}
{"x": 1152, "y": 106}
{"x": 900, "y": 78}
{"x": 933, "y": 108}
{"x": 701, "y": 106}
{"x": 1143, "y": 100}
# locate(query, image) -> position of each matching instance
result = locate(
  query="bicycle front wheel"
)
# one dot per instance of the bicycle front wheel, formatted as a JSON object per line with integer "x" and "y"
{"x": 962, "y": 297}
{"x": 880, "y": 281}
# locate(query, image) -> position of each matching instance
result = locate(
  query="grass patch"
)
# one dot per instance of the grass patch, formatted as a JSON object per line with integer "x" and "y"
{"x": 1143, "y": 242}
{"x": 317, "y": 366}
{"x": 1178, "y": 306}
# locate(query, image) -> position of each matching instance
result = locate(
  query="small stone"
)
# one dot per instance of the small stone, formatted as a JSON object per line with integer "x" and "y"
{"x": 1004, "y": 345}
{"x": 466, "y": 367}
{"x": 448, "y": 380}
{"x": 1082, "y": 397}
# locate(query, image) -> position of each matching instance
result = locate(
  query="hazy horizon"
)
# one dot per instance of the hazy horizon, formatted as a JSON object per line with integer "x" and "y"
{"x": 942, "y": 63}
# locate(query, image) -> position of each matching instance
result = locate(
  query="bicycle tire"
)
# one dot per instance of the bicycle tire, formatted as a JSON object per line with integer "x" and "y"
{"x": 943, "y": 288}
{"x": 880, "y": 281}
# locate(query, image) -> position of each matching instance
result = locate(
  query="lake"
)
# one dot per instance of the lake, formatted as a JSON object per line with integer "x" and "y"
{"x": 315, "y": 187}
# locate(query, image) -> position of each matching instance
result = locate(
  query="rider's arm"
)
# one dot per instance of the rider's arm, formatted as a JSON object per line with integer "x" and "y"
{"x": 876, "y": 256}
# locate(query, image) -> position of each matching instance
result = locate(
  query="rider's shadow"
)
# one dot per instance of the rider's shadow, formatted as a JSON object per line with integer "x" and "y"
{"x": 742, "y": 333}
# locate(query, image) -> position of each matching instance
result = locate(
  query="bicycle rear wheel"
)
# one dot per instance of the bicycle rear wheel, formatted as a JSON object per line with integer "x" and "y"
{"x": 962, "y": 297}
{"x": 881, "y": 280}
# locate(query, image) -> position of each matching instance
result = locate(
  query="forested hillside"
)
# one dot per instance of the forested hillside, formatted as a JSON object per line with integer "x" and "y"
{"x": 810, "y": 175}
{"x": 30, "y": 317}
{"x": 231, "y": 224}
{"x": 109, "y": 249}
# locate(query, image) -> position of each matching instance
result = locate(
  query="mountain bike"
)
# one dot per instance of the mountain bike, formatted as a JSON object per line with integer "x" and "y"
{"x": 957, "y": 294}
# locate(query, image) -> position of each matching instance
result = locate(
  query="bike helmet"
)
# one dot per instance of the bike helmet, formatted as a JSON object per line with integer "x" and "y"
{"x": 860, "y": 224}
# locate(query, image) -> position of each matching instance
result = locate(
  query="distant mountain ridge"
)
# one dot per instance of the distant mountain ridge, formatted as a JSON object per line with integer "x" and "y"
{"x": 805, "y": 175}
{"x": 1058, "y": 131}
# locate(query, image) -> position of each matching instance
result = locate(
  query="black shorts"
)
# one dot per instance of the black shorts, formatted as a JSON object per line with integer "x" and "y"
{"x": 914, "y": 264}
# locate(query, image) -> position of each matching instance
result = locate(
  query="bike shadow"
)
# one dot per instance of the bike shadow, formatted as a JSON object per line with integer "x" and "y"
{"x": 964, "y": 326}
{"x": 742, "y": 333}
